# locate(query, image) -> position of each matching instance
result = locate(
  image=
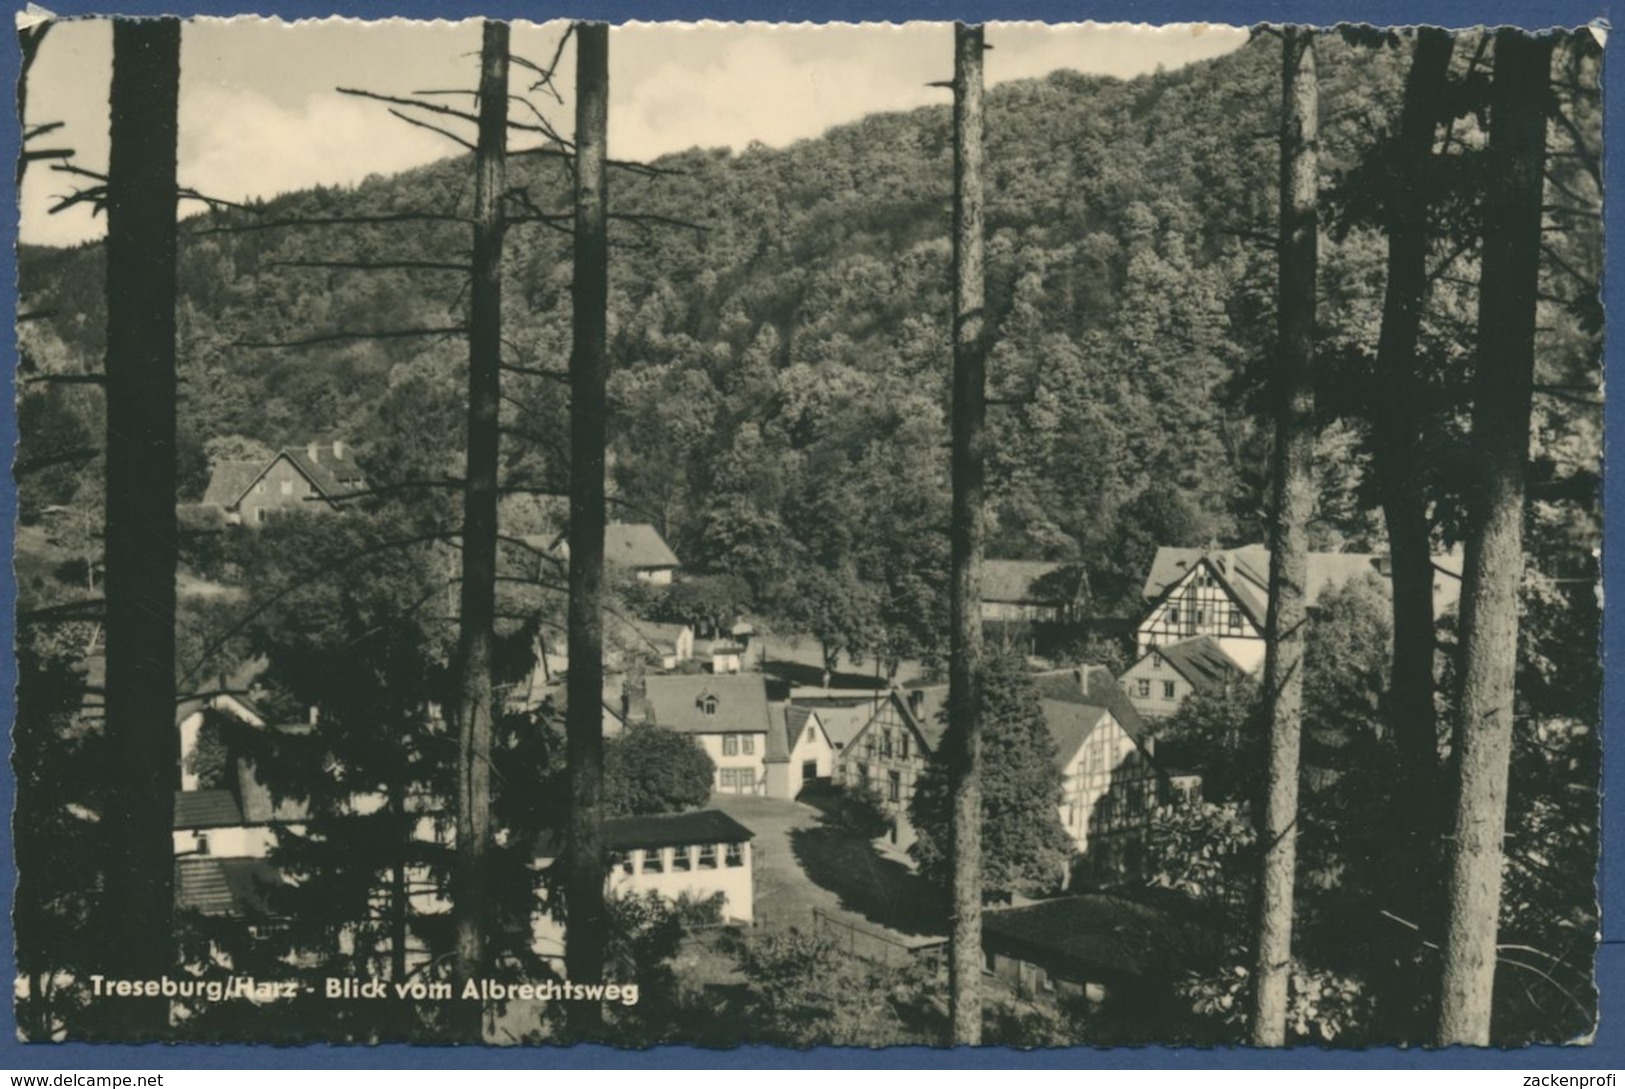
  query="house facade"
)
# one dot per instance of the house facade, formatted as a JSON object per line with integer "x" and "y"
{"x": 1165, "y": 676}
{"x": 312, "y": 477}
{"x": 1224, "y": 594}
{"x": 632, "y": 546}
{"x": 803, "y": 755}
{"x": 727, "y": 715}
{"x": 890, "y": 752}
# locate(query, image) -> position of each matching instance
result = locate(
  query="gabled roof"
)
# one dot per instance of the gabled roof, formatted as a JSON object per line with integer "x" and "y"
{"x": 932, "y": 717}
{"x": 780, "y": 744}
{"x": 333, "y": 475}
{"x": 675, "y": 702}
{"x": 1201, "y": 662}
{"x": 637, "y": 545}
{"x": 1028, "y": 582}
{"x": 674, "y": 830}
{"x": 230, "y": 479}
{"x": 1094, "y": 685}
{"x": 1245, "y": 572}
{"x": 197, "y": 809}
{"x": 843, "y": 721}
{"x": 1070, "y": 725}
{"x": 224, "y": 886}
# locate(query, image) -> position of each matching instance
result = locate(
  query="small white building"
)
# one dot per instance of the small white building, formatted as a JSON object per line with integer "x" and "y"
{"x": 1166, "y": 676}
{"x": 799, "y": 754}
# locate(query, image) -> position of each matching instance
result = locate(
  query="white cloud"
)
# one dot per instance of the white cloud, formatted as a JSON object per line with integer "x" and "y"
{"x": 239, "y": 144}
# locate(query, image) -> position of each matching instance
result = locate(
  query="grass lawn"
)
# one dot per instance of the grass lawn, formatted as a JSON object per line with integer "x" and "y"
{"x": 803, "y": 864}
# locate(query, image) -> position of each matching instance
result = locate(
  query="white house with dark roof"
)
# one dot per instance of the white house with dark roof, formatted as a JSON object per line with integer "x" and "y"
{"x": 1166, "y": 676}
{"x": 728, "y": 715}
{"x": 316, "y": 476}
{"x": 800, "y": 754}
{"x": 1224, "y": 594}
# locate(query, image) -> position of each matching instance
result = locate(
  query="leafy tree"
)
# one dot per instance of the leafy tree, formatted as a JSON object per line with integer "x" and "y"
{"x": 649, "y": 769}
{"x": 804, "y": 991}
{"x": 1027, "y": 850}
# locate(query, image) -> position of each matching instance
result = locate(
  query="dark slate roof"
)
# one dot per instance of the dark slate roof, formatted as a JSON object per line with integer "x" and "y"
{"x": 1201, "y": 662}
{"x": 674, "y": 830}
{"x": 229, "y": 480}
{"x": 206, "y": 809}
{"x": 1027, "y": 582}
{"x": 1093, "y": 685}
{"x": 335, "y": 476}
{"x": 1070, "y": 725}
{"x": 636, "y": 545}
{"x": 1095, "y": 938}
{"x": 224, "y": 886}
{"x": 674, "y": 702}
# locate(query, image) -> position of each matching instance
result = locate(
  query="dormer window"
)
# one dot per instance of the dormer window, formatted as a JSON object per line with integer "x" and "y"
{"x": 707, "y": 704}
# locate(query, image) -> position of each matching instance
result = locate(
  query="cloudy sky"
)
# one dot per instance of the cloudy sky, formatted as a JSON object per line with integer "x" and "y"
{"x": 259, "y": 113}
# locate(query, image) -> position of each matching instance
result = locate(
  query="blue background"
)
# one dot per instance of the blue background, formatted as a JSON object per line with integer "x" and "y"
{"x": 1609, "y": 1049}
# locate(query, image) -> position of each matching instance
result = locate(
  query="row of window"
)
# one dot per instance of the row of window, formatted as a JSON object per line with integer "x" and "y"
{"x": 737, "y": 778}
{"x": 738, "y": 744}
{"x": 1199, "y": 617}
{"x": 887, "y": 744}
{"x": 1143, "y": 687}
{"x": 685, "y": 859}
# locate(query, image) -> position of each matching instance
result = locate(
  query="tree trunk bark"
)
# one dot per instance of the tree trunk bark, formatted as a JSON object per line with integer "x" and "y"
{"x": 1398, "y": 418}
{"x": 1293, "y": 502}
{"x": 140, "y": 529}
{"x": 966, "y": 534}
{"x": 586, "y": 922}
{"x": 1502, "y": 391}
{"x": 477, "y": 707}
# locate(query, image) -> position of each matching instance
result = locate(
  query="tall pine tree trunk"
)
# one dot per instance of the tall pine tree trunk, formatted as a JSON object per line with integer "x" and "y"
{"x": 585, "y": 932}
{"x": 141, "y": 530}
{"x": 471, "y": 900}
{"x": 1502, "y": 390}
{"x": 966, "y": 534}
{"x": 1398, "y": 417}
{"x": 1292, "y": 397}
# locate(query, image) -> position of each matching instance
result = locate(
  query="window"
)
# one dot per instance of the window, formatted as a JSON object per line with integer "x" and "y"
{"x": 869, "y": 745}
{"x": 894, "y": 786}
{"x": 812, "y": 733}
{"x": 652, "y": 862}
{"x": 863, "y": 774}
{"x": 902, "y": 745}
{"x": 708, "y": 857}
{"x": 730, "y": 744}
{"x": 202, "y": 843}
{"x": 747, "y": 744}
{"x": 1201, "y": 615}
{"x": 1156, "y": 661}
{"x": 680, "y": 862}
{"x": 885, "y": 743}
{"x": 623, "y": 862}
{"x": 1144, "y": 688}
{"x": 1173, "y": 614}
{"x": 729, "y": 778}
{"x": 1167, "y": 690}
{"x": 287, "y": 487}
{"x": 707, "y": 705}
{"x": 735, "y": 855}
{"x": 1235, "y": 620}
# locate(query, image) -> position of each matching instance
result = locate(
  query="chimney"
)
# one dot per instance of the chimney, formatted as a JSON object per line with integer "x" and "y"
{"x": 313, "y": 451}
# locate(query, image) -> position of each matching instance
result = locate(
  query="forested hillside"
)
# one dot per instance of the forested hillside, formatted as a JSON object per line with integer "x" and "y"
{"x": 780, "y": 372}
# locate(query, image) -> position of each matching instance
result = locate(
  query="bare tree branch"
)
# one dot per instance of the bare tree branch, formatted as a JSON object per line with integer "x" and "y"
{"x": 332, "y": 338}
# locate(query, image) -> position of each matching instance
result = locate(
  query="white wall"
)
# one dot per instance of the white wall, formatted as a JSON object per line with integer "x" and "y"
{"x": 753, "y": 761}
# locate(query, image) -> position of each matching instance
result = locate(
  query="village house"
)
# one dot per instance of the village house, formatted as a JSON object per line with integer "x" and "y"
{"x": 1165, "y": 676}
{"x": 630, "y": 546}
{"x": 1028, "y": 591}
{"x": 890, "y": 751}
{"x": 728, "y": 715}
{"x": 694, "y": 857}
{"x": 801, "y": 755}
{"x": 1224, "y": 594}
{"x": 316, "y": 476}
